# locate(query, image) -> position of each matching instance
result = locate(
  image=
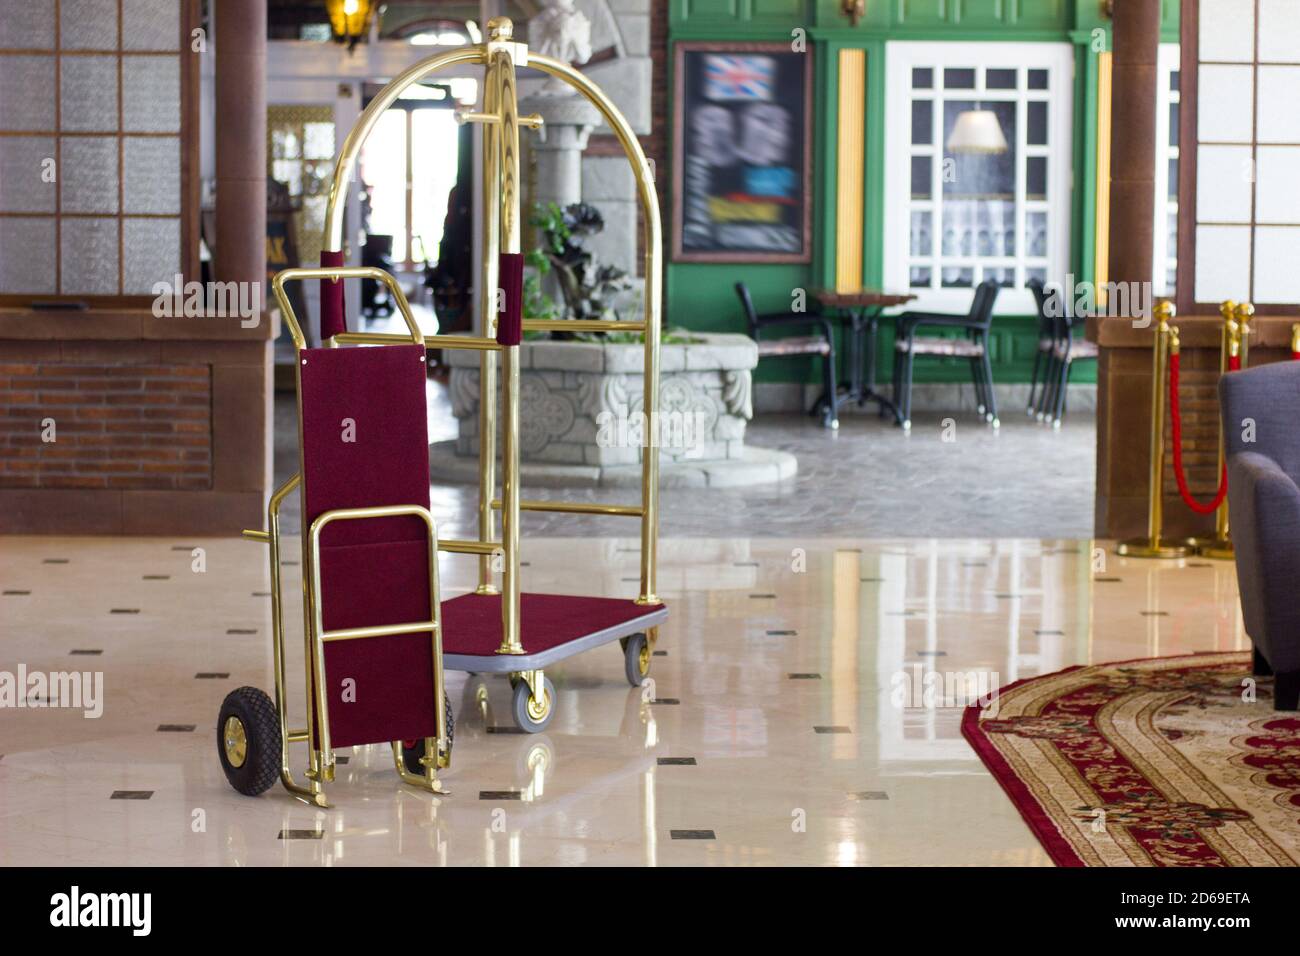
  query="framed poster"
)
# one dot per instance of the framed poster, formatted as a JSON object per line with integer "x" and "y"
{"x": 742, "y": 153}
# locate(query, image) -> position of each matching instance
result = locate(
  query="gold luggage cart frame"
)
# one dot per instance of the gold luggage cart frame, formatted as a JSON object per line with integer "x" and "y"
{"x": 637, "y": 629}
{"x": 578, "y": 623}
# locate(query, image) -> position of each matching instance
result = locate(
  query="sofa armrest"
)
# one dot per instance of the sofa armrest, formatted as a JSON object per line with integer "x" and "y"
{"x": 1264, "y": 515}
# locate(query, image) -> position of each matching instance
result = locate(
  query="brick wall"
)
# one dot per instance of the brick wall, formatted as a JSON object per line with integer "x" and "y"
{"x": 1198, "y": 397}
{"x": 114, "y": 426}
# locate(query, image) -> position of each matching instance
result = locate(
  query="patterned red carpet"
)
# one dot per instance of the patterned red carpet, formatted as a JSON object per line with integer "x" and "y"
{"x": 1163, "y": 762}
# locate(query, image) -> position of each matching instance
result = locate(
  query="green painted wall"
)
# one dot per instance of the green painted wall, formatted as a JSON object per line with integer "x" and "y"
{"x": 700, "y": 296}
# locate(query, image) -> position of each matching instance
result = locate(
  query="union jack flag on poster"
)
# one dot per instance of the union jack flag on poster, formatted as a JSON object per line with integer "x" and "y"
{"x": 729, "y": 77}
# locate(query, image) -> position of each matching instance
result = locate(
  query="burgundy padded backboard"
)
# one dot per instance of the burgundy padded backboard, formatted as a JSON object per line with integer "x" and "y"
{"x": 373, "y": 571}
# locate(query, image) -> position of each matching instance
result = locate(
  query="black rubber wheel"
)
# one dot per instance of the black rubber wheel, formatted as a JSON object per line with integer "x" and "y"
{"x": 248, "y": 740}
{"x": 636, "y": 659}
{"x": 532, "y": 716}
{"x": 411, "y": 755}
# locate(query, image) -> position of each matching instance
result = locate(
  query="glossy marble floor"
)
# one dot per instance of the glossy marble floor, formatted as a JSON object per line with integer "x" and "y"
{"x": 782, "y": 727}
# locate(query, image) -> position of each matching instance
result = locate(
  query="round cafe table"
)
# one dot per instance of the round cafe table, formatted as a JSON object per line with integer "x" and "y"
{"x": 859, "y": 314}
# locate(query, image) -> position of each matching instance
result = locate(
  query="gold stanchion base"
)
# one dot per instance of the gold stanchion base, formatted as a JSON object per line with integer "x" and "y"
{"x": 1146, "y": 548}
{"x": 1217, "y": 550}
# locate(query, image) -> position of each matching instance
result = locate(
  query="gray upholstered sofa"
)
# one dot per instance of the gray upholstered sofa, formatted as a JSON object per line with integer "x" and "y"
{"x": 1261, "y": 417}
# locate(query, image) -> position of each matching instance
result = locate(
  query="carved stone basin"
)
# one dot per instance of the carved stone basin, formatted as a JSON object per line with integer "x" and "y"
{"x": 581, "y": 417}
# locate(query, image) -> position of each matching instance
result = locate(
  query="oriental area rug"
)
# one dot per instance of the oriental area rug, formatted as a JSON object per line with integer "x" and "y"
{"x": 1174, "y": 761}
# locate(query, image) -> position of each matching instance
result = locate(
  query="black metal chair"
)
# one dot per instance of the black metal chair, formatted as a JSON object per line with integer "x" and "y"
{"x": 821, "y": 344}
{"x": 974, "y": 347}
{"x": 1066, "y": 350}
{"x": 1046, "y": 344}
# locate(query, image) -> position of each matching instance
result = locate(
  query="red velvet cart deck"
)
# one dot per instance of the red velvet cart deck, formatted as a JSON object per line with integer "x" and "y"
{"x": 365, "y": 444}
{"x": 551, "y": 628}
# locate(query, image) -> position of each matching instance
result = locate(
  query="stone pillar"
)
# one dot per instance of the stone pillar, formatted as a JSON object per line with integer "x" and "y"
{"x": 558, "y": 145}
{"x": 240, "y": 42}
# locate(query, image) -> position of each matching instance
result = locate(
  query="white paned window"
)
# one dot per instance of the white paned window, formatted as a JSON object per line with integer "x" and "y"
{"x": 1165, "y": 253}
{"x": 954, "y": 217}
{"x": 91, "y": 149}
{"x": 1248, "y": 151}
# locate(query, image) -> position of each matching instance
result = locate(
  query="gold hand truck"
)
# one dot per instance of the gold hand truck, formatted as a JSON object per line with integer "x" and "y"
{"x": 493, "y": 629}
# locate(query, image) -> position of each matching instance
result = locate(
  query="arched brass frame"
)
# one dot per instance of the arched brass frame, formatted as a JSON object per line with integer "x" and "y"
{"x": 501, "y": 56}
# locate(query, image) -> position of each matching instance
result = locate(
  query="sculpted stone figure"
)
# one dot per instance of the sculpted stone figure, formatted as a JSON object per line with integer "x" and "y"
{"x": 563, "y": 32}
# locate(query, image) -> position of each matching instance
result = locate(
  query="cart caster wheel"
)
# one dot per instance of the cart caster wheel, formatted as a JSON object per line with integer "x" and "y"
{"x": 248, "y": 740}
{"x": 412, "y": 751}
{"x": 636, "y": 659}
{"x": 533, "y": 716}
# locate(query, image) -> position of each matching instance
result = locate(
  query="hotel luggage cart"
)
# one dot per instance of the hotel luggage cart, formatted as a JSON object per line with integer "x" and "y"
{"x": 499, "y": 629}
{"x": 371, "y": 609}
{"x": 491, "y": 630}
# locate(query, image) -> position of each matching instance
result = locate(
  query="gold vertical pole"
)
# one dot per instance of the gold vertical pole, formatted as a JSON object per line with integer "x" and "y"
{"x": 501, "y": 61}
{"x": 1235, "y": 329}
{"x": 653, "y": 233}
{"x": 1245, "y": 312}
{"x": 1151, "y": 546}
{"x": 650, "y": 446}
{"x": 488, "y": 282}
{"x": 315, "y": 757}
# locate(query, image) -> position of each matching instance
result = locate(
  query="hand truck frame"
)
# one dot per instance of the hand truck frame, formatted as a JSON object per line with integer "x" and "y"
{"x": 253, "y": 738}
{"x": 503, "y": 630}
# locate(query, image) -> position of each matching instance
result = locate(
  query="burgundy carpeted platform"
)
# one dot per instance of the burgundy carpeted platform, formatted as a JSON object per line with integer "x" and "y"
{"x": 471, "y": 623}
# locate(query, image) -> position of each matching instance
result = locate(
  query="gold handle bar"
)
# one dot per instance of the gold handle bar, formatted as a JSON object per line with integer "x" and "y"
{"x": 581, "y": 325}
{"x": 577, "y": 507}
{"x": 457, "y": 546}
{"x": 379, "y": 630}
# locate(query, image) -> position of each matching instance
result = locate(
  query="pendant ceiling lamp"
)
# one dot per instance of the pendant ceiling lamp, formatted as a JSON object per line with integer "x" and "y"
{"x": 349, "y": 20}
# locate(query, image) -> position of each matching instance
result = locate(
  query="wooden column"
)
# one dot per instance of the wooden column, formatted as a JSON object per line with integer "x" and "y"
{"x": 1124, "y": 374}
{"x": 1133, "y": 139}
{"x": 240, "y": 43}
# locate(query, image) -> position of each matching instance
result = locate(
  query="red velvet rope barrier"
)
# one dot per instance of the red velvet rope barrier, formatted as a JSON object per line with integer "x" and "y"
{"x": 1175, "y": 416}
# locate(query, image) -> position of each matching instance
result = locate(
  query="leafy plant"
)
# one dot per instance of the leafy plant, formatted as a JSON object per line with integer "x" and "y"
{"x": 588, "y": 288}
{"x": 537, "y": 304}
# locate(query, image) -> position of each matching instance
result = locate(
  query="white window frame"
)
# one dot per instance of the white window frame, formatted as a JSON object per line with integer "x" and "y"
{"x": 1163, "y": 257}
{"x": 900, "y": 58}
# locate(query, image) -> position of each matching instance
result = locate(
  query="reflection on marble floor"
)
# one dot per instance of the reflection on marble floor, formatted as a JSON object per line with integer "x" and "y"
{"x": 797, "y": 736}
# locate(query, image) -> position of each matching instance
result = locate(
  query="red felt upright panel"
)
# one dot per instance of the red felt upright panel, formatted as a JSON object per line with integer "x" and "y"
{"x": 333, "y": 315}
{"x": 510, "y": 323}
{"x": 365, "y": 444}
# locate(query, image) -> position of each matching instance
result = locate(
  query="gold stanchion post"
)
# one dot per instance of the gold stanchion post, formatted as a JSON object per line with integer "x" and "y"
{"x": 1236, "y": 344}
{"x": 1151, "y": 545}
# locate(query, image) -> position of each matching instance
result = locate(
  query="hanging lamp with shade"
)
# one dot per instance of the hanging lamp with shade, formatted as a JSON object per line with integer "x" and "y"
{"x": 978, "y": 132}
